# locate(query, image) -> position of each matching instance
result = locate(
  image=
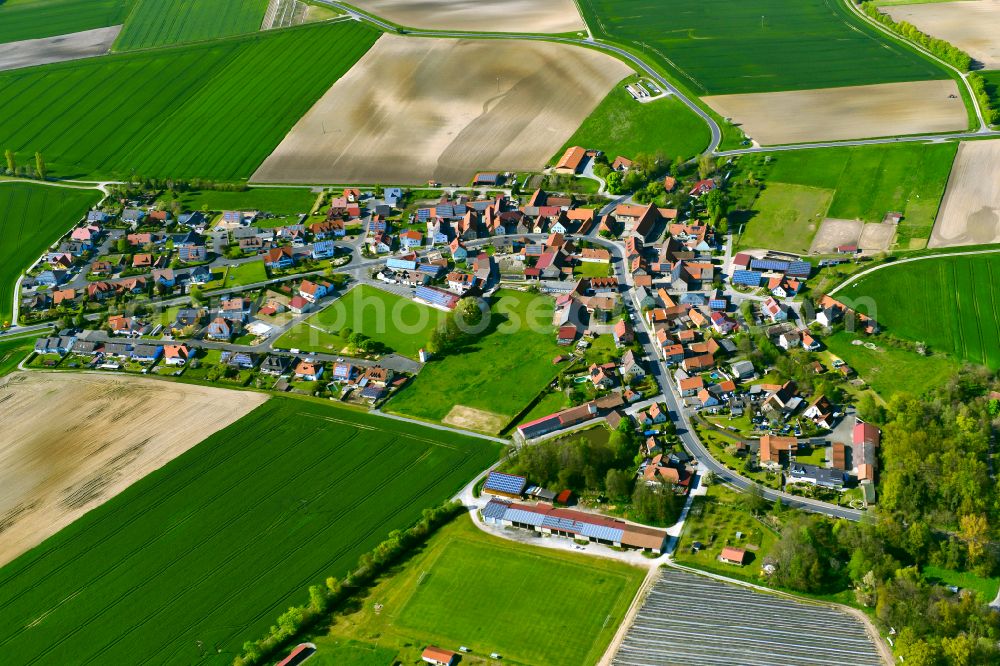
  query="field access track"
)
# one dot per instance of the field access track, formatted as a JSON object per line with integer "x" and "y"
{"x": 206, "y": 552}
{"x": 691, "y": 619}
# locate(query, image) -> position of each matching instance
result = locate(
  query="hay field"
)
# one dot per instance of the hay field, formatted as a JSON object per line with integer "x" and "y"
{"x": 549, "y": 16}
{"x": 70, "y": 442}
{"x": 970, "y": 210}
{"x": 415, "y": 109}
{"x": 837, "y": 114}
{"x": 971, "y": 25}
{"x": 45, "y": 50}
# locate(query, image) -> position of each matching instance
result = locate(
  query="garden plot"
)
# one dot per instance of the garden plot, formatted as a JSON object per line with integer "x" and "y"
{"x": 31, "y": 52}
{"x": 838, "y": 114}
{"x": 972, "y": 26}
{"x": 70, "y": 442}
{"x": 550, "y": 16}
{"x": 970, "y": 211}
{"x": 690, "y": 619}
{"x": 442, "y": 109}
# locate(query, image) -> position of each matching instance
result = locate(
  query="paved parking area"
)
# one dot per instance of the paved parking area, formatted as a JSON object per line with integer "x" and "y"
{"x": 691, "y": 619}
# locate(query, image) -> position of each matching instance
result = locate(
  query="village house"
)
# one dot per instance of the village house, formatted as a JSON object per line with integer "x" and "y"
{"x": 312, "y": 291}
{"x": 308, "y": 370}
{"x": 219, "y": 329}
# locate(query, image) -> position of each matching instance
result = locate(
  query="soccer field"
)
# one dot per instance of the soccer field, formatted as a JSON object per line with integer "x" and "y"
{"x": 950, "y": 303}
{"x": 32, "y": 217}
{"x": 735, "y": 46}
{"x": 160, "y": 22}
{"x": 204, "y": 553}
{"x": 532, "y": 605}
{"x": 210, "y": 110}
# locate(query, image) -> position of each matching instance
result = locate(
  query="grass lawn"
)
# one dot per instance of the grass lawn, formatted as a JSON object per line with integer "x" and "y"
{"x": 276, "y": 200}
{"x": 760, "y": 46}
{"x": 871, "y": 181}
{"x": 714, "y": 520}
{"x": 216, "y": 544}
{"x": 550, "y": 403}
{"x": 160, "y": 22}
{"x": 240, "y": 275}
{"x": 787, "y": 217}
{"x": 34, "y": 19}
{"x": 950, "y": 303}
{"x": 13, "y": 351}
{"x": 156, "y": 113}
{"x": 401, "y": 324}
{"x": 534, "y": 606}
{"x": 591, "y": 269}
{"x": 890, "y": 370}
{"x": 32, "y": 217}
{"x": 347, "y": 652}
{"x": 986, "y": 587}
{"x": 814, "y": 456}
{"x": 499, "y": 372}
{"x": 602, "y": 350}
{"x": 622, "y": 126}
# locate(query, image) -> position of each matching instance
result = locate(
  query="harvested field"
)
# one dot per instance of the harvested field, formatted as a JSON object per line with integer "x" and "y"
{"x": 550, "y": 16}
{"x": 70, "y": 442}
{"x": 470, "y": 418}
{"x": 833, "y": 233}
{"x": 837, "y": 114}
{"x": 971, "y": 25}
{"x": 31, "y": 52}
{"x": 970, "y": 210}
{"x": 386, "y": 120}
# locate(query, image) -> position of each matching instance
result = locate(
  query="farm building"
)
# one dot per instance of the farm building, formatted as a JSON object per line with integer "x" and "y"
{"x": 438, "y": 656}
{"x": 733, "y": 555}
{"x": 505, "y": 485}
{"x": 547, "y": 519}
{"x": 298, "y": 655}
{"x": 572, "y": 161}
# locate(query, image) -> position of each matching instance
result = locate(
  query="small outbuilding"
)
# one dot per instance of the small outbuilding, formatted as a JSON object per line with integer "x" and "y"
{"x": 438, "y": 656}
{"x": 732, "y": 555}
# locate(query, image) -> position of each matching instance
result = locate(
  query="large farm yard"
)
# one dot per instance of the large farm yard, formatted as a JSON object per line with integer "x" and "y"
{"x": 970, "y": 211}
{"x": 837, "y": 114}
{"x": 156, "y": 23}
{"x": 764, "y": 46}
{"x": 203, "y": 554}
{"x": 534, "y": 606}
{"x": 31, "y": 218}
{"x": 950, "y": 303}
{"x": 548, "y": 16}
{"x": 385, "y": 121}
{"x": 488, "y": 382}
{"x": 401, "y": 324}
{"x": 71, "y": 442}
{"x": 161, "y": 113}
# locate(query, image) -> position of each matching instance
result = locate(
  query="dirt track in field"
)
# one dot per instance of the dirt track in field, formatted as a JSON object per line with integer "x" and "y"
{"x": 970, "y": 210}
{"x": 70, "y": 442}
{"x": 417, "y": 109}
{"x": 74, "y": 46}
{"x": 548, "y": 16}
{"x": 837, "y": 114}
{"x": 971, "y": 25}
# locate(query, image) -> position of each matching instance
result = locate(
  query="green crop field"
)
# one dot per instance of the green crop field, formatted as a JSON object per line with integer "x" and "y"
{"x": 735, "y": 46}
{"x": 33, "y": 19}
{"x": 499, "y": 372}
{"x": 212, "y": 110}
{"x": 532, "y": 605}
{"x": 950, "y": 303}
{"x": 276, "y": 200}
{"x": 873, "y": 180}
{"x": 622, "y": 126}
{"x": 13, "y": 351}
{"x": 160, "y": 22}
{"x": 401, "y": 324}
{"x": 32, "y": 217}
{"x": 206, "y": 552}
{"x": 787, "y": 217}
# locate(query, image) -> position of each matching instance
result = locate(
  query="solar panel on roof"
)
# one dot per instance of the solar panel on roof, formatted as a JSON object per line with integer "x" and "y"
{"x": 717, "y": 304}
{"x": 747, "y": 278}
{"x": 799, "y": 268}
{"x": 505, "y": 483}
{"x": 423, "y": 213}
{"x": 495, "y": 509}
{"x": 769, "y": 264}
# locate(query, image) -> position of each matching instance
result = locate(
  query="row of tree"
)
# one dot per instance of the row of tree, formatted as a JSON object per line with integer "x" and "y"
{"x": 948, "y": 52}
{"x": 327, "y": 597}
{"x": 14, "y": 169}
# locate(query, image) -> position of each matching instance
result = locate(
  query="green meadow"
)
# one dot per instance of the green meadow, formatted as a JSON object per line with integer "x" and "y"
{"x": 34, "y": 19}
{"x": 161, "y": 22}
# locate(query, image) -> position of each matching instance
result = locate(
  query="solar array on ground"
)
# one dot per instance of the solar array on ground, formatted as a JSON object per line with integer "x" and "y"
{"x": 692, "y": 619}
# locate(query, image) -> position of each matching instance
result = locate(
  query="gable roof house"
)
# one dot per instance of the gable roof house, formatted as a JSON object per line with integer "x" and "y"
{"x": 773, "y": 447}
{"x": 631, "y": 367}
{"x": 219, "y": 329}
{"x": 308, "y": 370}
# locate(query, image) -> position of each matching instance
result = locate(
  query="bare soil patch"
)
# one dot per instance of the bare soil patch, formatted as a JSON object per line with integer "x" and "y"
{"x": 417, "y": 109}
{"x": 970, "y": 210}
{"x": 549, "y": 16}
{"x": 70, "y": 442}
{"x": 855, "y": 112}
{"x": 971, "y": 25}
{"x": 833, "y": 233}
{"x": 470, "y": 418}
{"x": 31, "y": 52}
{"x": 877, "y": 237}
